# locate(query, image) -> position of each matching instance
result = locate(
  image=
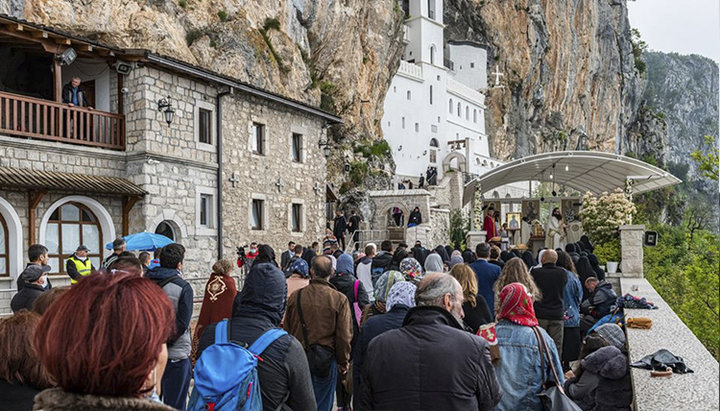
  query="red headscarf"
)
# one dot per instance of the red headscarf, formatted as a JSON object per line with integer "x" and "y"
{"x": 516, "y": 305}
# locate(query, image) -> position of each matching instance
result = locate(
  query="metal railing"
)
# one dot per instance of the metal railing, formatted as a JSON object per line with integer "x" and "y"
{"x": 48, "y": 120}
{"x": 362, "y": 237}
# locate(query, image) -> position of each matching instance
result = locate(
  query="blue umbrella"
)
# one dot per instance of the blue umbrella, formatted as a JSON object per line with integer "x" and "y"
{"x": 144, "y": 241}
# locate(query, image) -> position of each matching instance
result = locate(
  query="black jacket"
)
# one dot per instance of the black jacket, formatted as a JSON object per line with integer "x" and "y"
{"x": 478, "y": 315}
{"x": 551, "y": 281}
{"x": 284, "y": 369}
{"x": 340, "y": 226}
{"x": 16, "y": 397}
{"x": 345, "y": 283}
{"x": 430, "y": 363}
{"x": 415, "y": 217}
{"x": 354, "y": 223}
{"x": 603, "y": 299}
{"x": 21, "y": 283}
{"x": 603, "y": 383}
{"x": 67, "y": 95}
{"x": 382, "y": 260}
{"x": 25, "y": 297}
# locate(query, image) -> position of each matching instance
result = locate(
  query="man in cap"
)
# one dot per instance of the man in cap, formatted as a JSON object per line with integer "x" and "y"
{"x": 78, "y": 265}
{"x": 118, "y": 247}
{"x": 35, "y": 278}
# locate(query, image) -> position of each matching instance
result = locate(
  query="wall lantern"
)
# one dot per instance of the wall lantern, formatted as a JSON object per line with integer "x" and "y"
{"x": 325, "y": 145}
{"x": 166, "y": 108}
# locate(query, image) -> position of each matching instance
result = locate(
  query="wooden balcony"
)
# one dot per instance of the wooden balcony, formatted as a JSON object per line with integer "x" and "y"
{"x": 47, "y": 120}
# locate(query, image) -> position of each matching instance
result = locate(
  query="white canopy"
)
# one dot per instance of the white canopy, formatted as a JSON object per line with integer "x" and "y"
{"x": 584, "y": 171}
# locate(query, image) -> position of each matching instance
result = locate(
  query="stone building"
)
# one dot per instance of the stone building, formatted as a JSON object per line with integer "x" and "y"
{"x": 72, "y": 175}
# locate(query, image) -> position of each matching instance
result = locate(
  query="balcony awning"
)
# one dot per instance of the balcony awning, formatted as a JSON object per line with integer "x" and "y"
{"x": 21, "y": 178}
{"x": 592, "y": 171}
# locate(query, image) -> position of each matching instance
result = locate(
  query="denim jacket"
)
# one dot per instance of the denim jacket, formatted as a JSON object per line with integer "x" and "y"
{"x": 571, "y": 300}
{"x": 519, "y": 371}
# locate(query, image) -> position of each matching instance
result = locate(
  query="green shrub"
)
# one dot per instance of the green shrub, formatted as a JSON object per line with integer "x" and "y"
{"x": 271, "y": 23}
{"x": 358, "y": 171}
{"x": 192, "y": 36}
{"x": 222, "y": 14}
{"x": 459, "y": 227}
{"x": 610, "y": 251}
{"x": 182, "y": 3}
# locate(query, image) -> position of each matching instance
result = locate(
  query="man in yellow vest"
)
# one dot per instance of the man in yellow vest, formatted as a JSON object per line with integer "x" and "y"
{"x": 78, "y": 265}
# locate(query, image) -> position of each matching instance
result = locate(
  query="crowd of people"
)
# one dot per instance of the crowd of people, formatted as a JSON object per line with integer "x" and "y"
{"x": 395, "y": 328}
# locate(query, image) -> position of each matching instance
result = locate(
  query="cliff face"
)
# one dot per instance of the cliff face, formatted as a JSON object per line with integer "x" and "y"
{"x": 568, "y": 71}
{"x": 683, "y": 90}
{"x": 331, "y": 52}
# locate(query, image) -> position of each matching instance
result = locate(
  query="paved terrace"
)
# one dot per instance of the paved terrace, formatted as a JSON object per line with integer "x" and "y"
{"x": 694, "y": 391}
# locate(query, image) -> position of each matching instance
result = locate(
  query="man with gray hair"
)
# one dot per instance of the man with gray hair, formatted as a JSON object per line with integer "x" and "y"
{"x": 118, "y": 247}
{"x": 430, "y": 350}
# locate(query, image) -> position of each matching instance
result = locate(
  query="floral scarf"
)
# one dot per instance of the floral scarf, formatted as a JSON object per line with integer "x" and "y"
{"x": 516, "y": 305}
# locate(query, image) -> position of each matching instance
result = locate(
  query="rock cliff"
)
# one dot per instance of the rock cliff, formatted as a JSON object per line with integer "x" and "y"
{"x": 568, "y": 68}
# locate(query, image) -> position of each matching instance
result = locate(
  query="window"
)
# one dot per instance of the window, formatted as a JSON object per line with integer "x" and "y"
{"x": 403, "y": 122}
{"x": 408, "y": 94}
{"x": 69, "y": 226}
{"x": 467, "y": 112}
{"x": 472, "y": 65}
{"x": 258, "y": 138}
{"x": 458, "y": 110}
{"x": 431, "y": 9}
{"x": 430, "y": 94}
{"x": 205, "y": 126}
{"x": 474, "y": 116}
{"x": 4, "y": 263}
{"x": 206, "y": 210}
{"x": 432, "y": 54}
{"x": 417, "y": 127}
{"x": 258, "y": 208}
{"x": 451, "y": 106}
{"x": 164, "y": 228}
{"x": 296, "y": 217}
{"x": 433, "y": 155}
{"x": 297, "y": 147}
{"x": 394, "y": 89}
{"x": 434, "y": 142}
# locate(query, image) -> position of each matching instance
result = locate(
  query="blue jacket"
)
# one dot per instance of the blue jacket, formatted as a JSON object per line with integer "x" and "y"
{"x": 519, "y": 371}
{"x": 571, "y": 301}
{"x": 180, "y": 294}
{"x": 486, "y": 275}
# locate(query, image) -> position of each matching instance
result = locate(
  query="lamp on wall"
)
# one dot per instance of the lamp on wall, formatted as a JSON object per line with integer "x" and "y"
{"x": 325, "y": 145}
{"x": 166, "y": 108}
{"x": 67, "y": 57}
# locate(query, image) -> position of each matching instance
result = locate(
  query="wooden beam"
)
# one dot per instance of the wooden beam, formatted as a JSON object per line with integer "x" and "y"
{"x": 62, "y": 40}
{"x": 15, "y": 27}
{"x": 39, "y": 34}
{"x": 120, "y": 95}
{"x": 85, "y": 47}
{"x": 128, "y": 203}
{"x": 57, "y": 80}
{"x": 34, "y": 198}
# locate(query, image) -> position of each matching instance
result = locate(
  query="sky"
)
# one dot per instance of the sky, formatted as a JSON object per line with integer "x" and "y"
{"x": 681, "y": 26}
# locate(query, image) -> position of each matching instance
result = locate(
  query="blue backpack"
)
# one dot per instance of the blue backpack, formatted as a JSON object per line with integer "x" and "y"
{"x": 226, "y": 374}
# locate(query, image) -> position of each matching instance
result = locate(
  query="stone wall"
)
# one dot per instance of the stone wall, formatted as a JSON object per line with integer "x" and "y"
{"x": 439, "y": 227}
{"x": 258, "y": 175}
{"x": 631, "y": 244}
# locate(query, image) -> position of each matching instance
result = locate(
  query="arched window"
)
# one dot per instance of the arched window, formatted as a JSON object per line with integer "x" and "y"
{"x": 432, "y": 54}
{"x": 475, "y": 116}
{"x": 451, "y": 106}
{"x": 459, "y": 112}
{"x": 467, "y": 112}
{"x": 165, "y": 228}
{"x": 4, "y": 249}
{"x": 69, "y": 226}
{"x": 434, "y": 142}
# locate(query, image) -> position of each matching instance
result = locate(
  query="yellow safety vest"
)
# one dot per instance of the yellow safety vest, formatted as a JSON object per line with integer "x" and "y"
{"x": 84, "y": 268}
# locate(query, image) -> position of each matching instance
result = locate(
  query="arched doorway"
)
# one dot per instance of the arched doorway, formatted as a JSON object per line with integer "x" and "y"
{"x": 433, "y": 150}
{"x": 69, "y": 226}
{"x": 455, "y": 161}
{"x": 12, "y": 249}
{"x": 166, "y": 228}
{"x": 396, "y": 220}
{"x": 4, "y": 249}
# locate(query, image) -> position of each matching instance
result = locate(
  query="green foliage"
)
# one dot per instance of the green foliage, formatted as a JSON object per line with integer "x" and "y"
{"x": 609, "y": 251}
{"x": 707, "y": 161}
{"x": 379, "y": 149}
{"x": 192, "y": 36}
{"x": 222, "y": 14}
{"x": 273, "y": 53}
{"x": 271, "y": 23}
{"x": 459, "y": 227}
{"x": 638, "y": 48}
{"x": 358, "y": 171}
{"x": 182, "y": 3}
{"x": 683, "y": 268}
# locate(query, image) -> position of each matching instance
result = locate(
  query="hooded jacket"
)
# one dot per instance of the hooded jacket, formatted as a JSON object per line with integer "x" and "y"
{"x": 604, "y": 384}
{"x": 430, "y": 363}
{"x": 25, "y": 298}
{"x": 180, "y": 294}
{"x": 382, "y": 260}
{"x": 603, "y": 299}
{"x": 259, "y": 307}
{"x": 55, "y": 399}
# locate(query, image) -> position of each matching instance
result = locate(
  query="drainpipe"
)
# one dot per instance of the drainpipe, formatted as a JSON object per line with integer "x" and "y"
{"x": 218, "y": 124}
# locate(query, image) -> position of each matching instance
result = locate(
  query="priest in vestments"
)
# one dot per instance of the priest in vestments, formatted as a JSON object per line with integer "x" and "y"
{"x": 489, "y": 225}
{"x": 555, "y": 231}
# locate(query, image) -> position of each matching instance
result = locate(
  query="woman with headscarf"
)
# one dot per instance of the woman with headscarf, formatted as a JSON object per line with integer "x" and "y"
{"x": 266, "y": 254}
{"x": 584, "y": 271}
{"x": 474, "y": 305}
{"x": 220, "y": 291}
{"x": 517, "y": 335}
{"x": 411, "y": 269}
{"x": 399, "y": 255}
{"x": 400, "y": 299}
{"x": 382, "y": 289}
{"x": 457, "y": 259}
{"x": 442, "y": 252}
{"x": 505, "y": 256}
{"x": 595, "y": 263}
{"x": 448, "y": 250}
{"x": 433, "y": 263}
{"x": 586, "y": 244}
{"x": 415, "y": 217}
{"x": 468, "y": 257}
{"x": 345, "y": 282}
{"x": 527, "y": 257}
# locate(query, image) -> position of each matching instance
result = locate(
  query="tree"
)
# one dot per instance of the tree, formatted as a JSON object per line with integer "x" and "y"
{"x": 708, "y": 161}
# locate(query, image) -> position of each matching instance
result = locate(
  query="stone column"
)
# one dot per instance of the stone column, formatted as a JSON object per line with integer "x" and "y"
{"x": 474, "y": 238}
{"x": 631, "y": 248}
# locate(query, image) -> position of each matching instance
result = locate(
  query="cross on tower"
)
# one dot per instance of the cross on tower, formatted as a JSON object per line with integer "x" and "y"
{"x": 280, "y": 184}
{"x": 497, "y": 75}
{"x": 234, "y": 179}
{"x": 317, "y": 188}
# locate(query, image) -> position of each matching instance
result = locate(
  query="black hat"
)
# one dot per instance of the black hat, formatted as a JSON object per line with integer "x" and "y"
{"x": 82, "y": 248}
{"x": 33, "y": 271}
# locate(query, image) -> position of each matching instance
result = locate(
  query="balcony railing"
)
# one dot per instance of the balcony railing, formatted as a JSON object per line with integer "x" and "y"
{"x": 47, "y": 120}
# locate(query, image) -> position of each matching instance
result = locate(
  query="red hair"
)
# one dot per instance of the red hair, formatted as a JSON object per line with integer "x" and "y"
{"x": 104, "y": 335}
